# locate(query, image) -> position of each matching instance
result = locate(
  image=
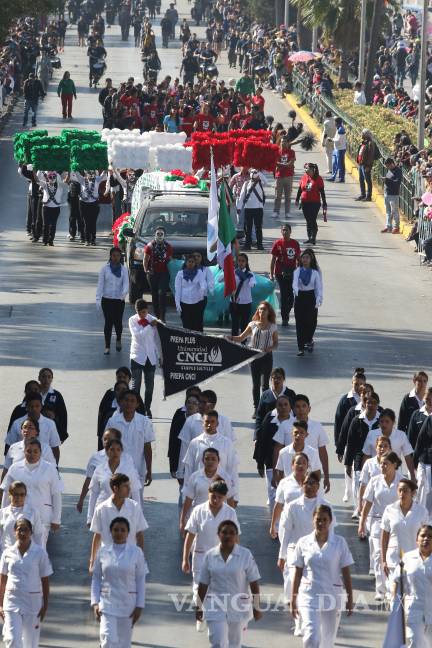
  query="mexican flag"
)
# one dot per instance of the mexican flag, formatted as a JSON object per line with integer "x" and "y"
{"x": 226, "y": 234}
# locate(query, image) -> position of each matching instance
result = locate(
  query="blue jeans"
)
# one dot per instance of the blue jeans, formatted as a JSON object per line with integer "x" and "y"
{"x": 392, "y": 210}
{"x": 30, "y": 104}
{"x": 339, "y": 164}
{"x": 365, "y": 179}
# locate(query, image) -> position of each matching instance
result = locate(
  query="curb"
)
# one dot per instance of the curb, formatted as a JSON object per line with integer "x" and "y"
{"x": 350, "y": 165}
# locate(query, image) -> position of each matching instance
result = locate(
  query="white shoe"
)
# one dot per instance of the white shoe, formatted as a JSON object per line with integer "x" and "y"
{"x": 199, "y": 626}
{"x": 275, "y": 215}
{"x": 345, "y": 498}
{"x": 355, "y": 516}
{"x": 371, "y": 572}
{"x": 379, "y": 596}
{"x": 297, "y": 628}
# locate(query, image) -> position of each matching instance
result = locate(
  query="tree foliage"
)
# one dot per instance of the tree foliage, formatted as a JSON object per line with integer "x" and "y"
{"x": 12, "y": 9}
{"x": 338, "y": 19}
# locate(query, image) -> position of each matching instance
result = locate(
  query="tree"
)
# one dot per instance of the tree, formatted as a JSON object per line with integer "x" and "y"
{"x": 338, "y": 19}
{"x": 375, "y": 34}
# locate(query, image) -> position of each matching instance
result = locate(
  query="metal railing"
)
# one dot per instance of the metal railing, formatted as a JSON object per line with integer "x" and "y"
{"x": 319, "y": 105}
{"x": 424, "y": 230}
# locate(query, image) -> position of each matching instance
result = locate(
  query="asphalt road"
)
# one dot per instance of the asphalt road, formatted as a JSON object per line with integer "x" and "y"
{"x": 376, "y": 314}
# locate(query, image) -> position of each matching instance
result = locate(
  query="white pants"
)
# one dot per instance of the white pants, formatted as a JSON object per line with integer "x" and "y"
{"x": 424, "y": 485}
{"x": 197, "y": 563}
{"x": 288, "y": 572}
{"x": 225, "y": 634}
{"x": 45, "y": 533}
{"x": 319, "y": 628}
{"x": 271, "y": 490}
{"x": 21, "y": 630}
{"x": 115, "y": 632}
{"x": 375, "y": 541}
{"x": 329, "y": 155}
{"x": 355, "y": 483}
{"x": 348, "y": 483}
{"x": 418, "y": 635}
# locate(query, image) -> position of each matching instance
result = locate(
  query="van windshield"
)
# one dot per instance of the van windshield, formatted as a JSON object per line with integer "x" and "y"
{"x": 187, "y": 221}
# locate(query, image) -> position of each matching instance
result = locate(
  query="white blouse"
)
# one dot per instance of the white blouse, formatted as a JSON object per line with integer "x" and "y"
{"x": 190, "y": 292}
{"x": 402, "y": 529}
{"x": 110, "y": 286}
{"x": 315, "y": 284}
{"x": 24, "y": 587}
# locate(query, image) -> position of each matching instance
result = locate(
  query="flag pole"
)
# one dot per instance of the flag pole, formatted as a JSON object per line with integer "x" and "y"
{"x": 402, "y": 602}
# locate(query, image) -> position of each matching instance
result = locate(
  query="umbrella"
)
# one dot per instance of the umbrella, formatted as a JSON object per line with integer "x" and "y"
{"x": 301, "y": 57}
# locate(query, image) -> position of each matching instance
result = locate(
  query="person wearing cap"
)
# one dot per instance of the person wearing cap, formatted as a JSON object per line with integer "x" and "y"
{"x": 33, "y": 91}
{"x": 392, "y": 183}
{"x": 252, "y": 200}
{"x": 284, "y": 174}
{"x": 365, "y": 160}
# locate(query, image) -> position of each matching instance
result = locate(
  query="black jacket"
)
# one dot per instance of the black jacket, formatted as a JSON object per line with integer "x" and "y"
{"x": 408, "y": 406}
{"x": 174, "y": 443}
{"x": 357, "y": 433}
{"x": 414, "y": 427}
{"x": 263, "y": 453}
{"x": 18, "y": 411}
{"x": 33, "y": 90}
{"x": 342, "y": 410}
{"x": 267, "y": 403}
{"x": 106, "y": 410}
{"x": 423, "y": 449}
{"x": 56, "y": 401}
{"x": 343, "y": 435}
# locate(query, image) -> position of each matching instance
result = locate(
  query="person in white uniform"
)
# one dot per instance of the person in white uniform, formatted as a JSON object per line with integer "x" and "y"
{"x": 229, "y": 571}
{"x": 320, "y": 559}
{"x": 118, "y": 587}
{"x": 196, "y": 490}
{"x": 417, "y": 575}
{"x": 201, "y": 529}
{"x": 47, "y": 428}
{"x": 298, "y": 522}
{"x": 118, "y": 505}
{"x": 29, "y": 430}
{"x": 96, "y": 459}
{"x": 398, "y": 439}
{"x": 115, "y": 462}
{"x": 380, "y": 492}
{"x": 288, "y": 489}
{"x": 44, "y": 486}
{"x": 372, "y": 467}
{"x": 137, "y": 435}
{"x": 24, "y": 588}
{"x": 211, "y": 438}
{"x": 400, "y": 523}
{"x": 18, "y": 508}
{"x": 283, "y": 460}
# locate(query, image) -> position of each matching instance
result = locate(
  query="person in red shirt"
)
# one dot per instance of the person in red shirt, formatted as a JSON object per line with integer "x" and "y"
{"x": 187, "y": 121}
{"x": 157, "y": 254}
{"x": 204, "y": 121}
{"x": 284, "y": 174}
{"x": 310, "y": 193}
{"x": 240, "y": 120}
{"x": 258, "y": 99}
{"x": 225, "y": 111}
{"x": 150, "y": 114}
{"x": 285, "y": 256}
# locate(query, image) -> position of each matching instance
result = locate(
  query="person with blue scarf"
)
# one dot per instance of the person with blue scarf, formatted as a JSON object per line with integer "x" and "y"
{"x": 308, "y": 291}
{"x": 112, "y": 288}
{"x": 190, "y": 291}
{"x": 241, "y": 299}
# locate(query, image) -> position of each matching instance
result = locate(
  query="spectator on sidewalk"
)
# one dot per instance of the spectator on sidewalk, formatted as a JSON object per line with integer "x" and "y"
{"x": 392, "y": 183}
{"x": 284, "y": 174}
{"x": 359, "y": 95}
{"x": 365, "y": 160}
{"x": 328, "y": 133}
{"x": 33, "y": 91}
{"x": 339, "y": 142}
{"x": 66, "y": 91}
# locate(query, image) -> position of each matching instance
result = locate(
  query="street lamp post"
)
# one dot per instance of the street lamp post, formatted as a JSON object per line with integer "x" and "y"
{"x": 423, "y": 61}
{"x": 286, "y": 13}
{"x": 362, "y": 48}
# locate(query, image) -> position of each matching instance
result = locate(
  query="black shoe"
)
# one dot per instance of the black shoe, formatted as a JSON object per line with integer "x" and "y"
{"x": 118, "y": 346}
{"x": 285, "y": 322}
{"x": 247, "y": 247}
{"x": 93, "y": 243}
{"x": 51, "y": 243}
{"x": 45, "y": 242}
{"x": 313, "y": 241}
{"x": 308, "y": 241}
{"x": 309, "y": 347}
{"x": 254, "y": 414}
{"x": 360, "y": 198}
{"x": 368, "y": 199}
{"x": 260, "y": 247}
{"x": 300, "y": 352}
{"x": 149, "y": 413}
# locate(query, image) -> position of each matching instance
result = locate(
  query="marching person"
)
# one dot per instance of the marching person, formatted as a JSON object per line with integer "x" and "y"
{"x": 32, "y": 224}
{"x": 18, "y": 508}
{"x": 310, "y": 195}
{"x": 372, "y": 467}
{"x": 414, "y": 400}
{"x": 75, "y": 221}
{"x": 67, "y": 92}
{"x": 201, "y": 529}
{"x": 144, "y": 352}
{"x": 241, "y": 299}
{"x": 282, "y": 461}
{"x": 263, "y": 336}
{"x": 319, "y": 560}
{"x": 29, "y": 430}
{"x": 157, "y": 254}
{"x": 423, "y": 460}
{"x": 190, "y": 408}
{"x": 111, "y": 291}
{"x": 417, "y": 575}
{"x": 24, "y": 588}
{"x": 400, "y": 523}
{"x": 236, "y": 183}
{"x": 288, "y": 489}
{"x": 190, "y": 291}
{"x": 269, "y": 396}
{"x": 89, "y": 201}
{"x": 285, "y": 255}
{"x": 380, "y": 492}
{"x": 398, "y": 440}
{"x": 252, "y": 200}
{"x": 227, "y": 574}
{"x": 418, "y": 418}
{"x": 43, "y": 486}
{"x": 284, "y": 174}
{"x": 53, "y": 397}
{"x": 118, "y": 586}
{"x": 308, "y": 291}
{"x": 53, "y": 189}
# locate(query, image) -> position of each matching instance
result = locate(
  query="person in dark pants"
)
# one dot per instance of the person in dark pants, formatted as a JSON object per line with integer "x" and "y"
{"x": 52, "y": 186}
{"x": 112, "y": 288}
{"x": 241, "y": 299}
{"x": 33, "y": 91}
{"x": 263, "y": 335}
{"x": 26, "y": 171}
{"x": 143, "y": 352}
{"x": 157, "y": 254}
{"x": 365, "y": 160}
{"x": 190, "y": 292}
{"x": 310, "y": 194}
{"x": 285, "y": 256}
{"x": 252, "y": 200}
{"x": 308, "y": 291}
{"x": 89, "y": 202}
{"x": 75, "y": 222}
